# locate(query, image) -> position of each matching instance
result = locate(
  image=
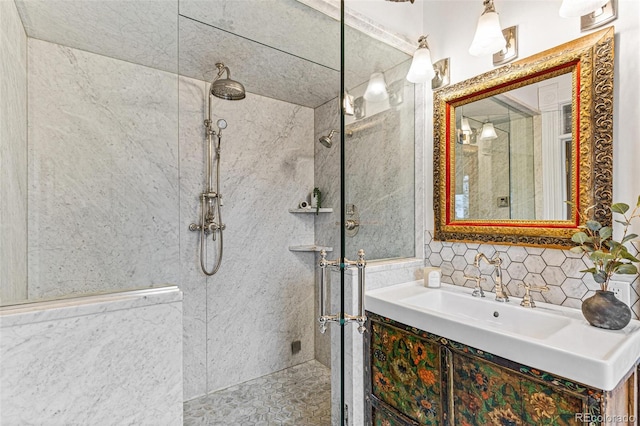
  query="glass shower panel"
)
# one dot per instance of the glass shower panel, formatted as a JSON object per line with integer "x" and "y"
{"x": 379, "y": 138}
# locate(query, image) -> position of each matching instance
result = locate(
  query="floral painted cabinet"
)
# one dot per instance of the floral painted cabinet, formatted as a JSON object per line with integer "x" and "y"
{"x": 413, "y": 377}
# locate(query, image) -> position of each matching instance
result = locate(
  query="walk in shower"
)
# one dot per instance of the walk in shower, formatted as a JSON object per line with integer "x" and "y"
{"x": 113, "y": 168}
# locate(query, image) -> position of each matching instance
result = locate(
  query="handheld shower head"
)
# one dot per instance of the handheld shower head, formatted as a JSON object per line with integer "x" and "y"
{"x": 225, "y": 88}
{"x": 327, "y": 141}
{"x": 222, "y": 124}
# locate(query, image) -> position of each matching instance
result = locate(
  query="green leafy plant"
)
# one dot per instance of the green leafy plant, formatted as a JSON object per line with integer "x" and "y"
{"x": 607, "y": 255}
{"x": 318, "y": 194}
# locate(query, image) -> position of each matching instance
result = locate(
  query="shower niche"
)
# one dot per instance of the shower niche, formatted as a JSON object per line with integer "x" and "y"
{"x": 311, "y": 247}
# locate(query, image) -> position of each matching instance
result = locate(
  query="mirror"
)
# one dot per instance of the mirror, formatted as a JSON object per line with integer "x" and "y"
{"x": 520, "y": 150}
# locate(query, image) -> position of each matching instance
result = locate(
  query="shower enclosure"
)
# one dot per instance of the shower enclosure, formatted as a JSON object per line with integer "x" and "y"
{"x": 112, "y": 165}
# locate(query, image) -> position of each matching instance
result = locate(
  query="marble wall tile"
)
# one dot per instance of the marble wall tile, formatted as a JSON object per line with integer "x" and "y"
{"x": 193, "y": 282}
{"x": 142, "y": 32}
{"x": 103, "y": 173}
{"x": 256, "y": 23}
{"x": 261, "y": 299}
{"x": 13, "y": 155}
{"x": 309, "y": 36}
{"x": 326, "y": 227}
{"x": 261, "y": 69}
{"x": 111, "y": 361}
{"x": 558, "y": 269}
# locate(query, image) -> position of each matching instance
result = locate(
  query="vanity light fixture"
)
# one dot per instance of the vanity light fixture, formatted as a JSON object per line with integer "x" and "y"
{"x": 578, "y": 8}
{"x": 488, "y": 38}
{"x": 592, "y": 13}
{"x": 443, "y": 76}
{"x": 510, "y": 51}
{"x": 376, "y": 89}
{"x": 347, "y": 106}
{"x": 488, "y": 132}
{"x": 464, "y": 125}
{"x": 421, "y": 69}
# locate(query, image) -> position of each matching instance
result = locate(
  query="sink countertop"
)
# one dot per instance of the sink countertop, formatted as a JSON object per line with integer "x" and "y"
{"x": 548, "y": 337}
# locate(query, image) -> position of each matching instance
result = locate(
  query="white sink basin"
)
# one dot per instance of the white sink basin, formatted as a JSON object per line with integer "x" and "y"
{"x": 504, "y": 317}
{"x": 549, "y": 337}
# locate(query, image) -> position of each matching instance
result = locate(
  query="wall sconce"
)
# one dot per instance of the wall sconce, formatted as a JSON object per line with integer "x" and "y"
{"x": 442, "y": 77}
{"x": 376, "y": 89}
{"x": 347, "y": 106}
{"x": 396, "y": 93}
{"x": 488, "y": 132}
{"x": 421, "y": 69}
{"x": 592, "y": 13}
{"x": 465, "y": 132}
{"x": 488, "y": 38}
{"x": 510, "y": 51}
{"x": 578, "y": 8}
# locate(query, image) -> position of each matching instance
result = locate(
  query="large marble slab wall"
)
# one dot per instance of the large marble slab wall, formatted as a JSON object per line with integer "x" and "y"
{"x": 13, "y": 155}
{"x": 103, "y": 173}
{"x": 109, "y": 359}
{"x": 240, "y": 323}
{"x": 558, "y": 269}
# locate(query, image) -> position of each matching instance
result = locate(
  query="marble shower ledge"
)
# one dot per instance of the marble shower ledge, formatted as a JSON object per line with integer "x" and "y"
{"x": 312, "y": 210}
{"x": 310, "y": 247}
{"x": 35, "y": 312}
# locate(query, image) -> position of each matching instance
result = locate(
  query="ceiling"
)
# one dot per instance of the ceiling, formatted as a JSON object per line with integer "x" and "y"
{"x": 282, "y": 49}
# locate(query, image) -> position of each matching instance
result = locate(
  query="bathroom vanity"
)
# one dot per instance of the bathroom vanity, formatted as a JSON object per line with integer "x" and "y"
{"x": 440, "y": 356}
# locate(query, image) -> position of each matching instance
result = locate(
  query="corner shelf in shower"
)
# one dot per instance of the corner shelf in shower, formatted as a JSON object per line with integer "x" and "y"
{"x": 310, "y": 247}
{"x": 311, "y": 210}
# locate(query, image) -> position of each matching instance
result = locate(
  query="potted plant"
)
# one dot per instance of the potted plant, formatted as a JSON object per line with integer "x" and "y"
{"x": 609, "y": 257}
{"x": 316, "y": 199}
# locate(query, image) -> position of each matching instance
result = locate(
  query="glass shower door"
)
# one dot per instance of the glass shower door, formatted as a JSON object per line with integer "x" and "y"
{"x": 377, "y": 180}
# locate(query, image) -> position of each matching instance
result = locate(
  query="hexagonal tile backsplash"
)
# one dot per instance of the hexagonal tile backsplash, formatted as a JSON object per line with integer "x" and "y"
{"x": 558, "y": 269}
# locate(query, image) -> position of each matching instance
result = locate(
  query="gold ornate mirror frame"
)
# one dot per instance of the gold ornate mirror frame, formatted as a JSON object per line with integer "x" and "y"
{"x": 590, "y": 60}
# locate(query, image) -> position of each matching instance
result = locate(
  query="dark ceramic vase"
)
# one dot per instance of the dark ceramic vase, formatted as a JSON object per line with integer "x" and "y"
{"x": 605, "y": 310}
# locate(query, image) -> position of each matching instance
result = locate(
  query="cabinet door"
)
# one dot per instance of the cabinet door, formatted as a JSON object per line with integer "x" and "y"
{"x": 484, "y": 393}
{"x": 406, "y": 374}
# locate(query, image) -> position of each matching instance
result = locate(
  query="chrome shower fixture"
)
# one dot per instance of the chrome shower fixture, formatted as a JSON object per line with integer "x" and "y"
{"x": 327, "y": 141}
{"x": 211, "y": 199}
{"x": 225, "y": 88}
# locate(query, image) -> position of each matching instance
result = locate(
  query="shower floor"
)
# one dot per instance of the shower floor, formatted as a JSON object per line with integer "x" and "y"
{"x": 299, "y": 395}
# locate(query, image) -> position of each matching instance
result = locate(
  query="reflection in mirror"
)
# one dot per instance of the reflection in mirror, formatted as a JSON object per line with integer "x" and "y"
{"x": 520, "y": 149}
{"x": 522, "y": 170}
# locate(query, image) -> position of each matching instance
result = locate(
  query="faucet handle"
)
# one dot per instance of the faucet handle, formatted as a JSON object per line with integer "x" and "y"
{"x": 527, "y": 301}
{"x": 477, "y": 291}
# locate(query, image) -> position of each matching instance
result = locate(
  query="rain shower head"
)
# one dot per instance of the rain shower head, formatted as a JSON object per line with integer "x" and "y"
{"x": 327, "y": 140}
{"x": 225, "y": 88}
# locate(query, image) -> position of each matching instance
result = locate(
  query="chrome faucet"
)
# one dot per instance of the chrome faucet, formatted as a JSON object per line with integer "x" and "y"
{"x": 501, "y": 294}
